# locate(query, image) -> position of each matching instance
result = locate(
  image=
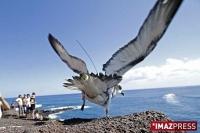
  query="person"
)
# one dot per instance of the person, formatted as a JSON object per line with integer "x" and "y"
{"x": 24, "y": 101}
{"x": 28, "y": 99}
{"x": 20, "y": 105}
{"x": 1, "y": 104}
{"x": 38, "y": 116}
{"x": 32, "y": 101}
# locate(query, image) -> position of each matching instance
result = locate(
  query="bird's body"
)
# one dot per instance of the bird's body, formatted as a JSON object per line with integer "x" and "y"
{"x": 99, "y": 88}
{"x": 95, "y": 88}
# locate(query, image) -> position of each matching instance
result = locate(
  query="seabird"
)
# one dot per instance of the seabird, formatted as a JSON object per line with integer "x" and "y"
{"x": 100, "y": 88}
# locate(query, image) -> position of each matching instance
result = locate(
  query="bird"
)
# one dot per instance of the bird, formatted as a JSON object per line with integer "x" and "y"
{"x": 100, "y": 88}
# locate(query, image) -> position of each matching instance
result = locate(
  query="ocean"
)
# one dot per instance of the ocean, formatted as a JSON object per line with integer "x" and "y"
{"x": 179, "y": 103}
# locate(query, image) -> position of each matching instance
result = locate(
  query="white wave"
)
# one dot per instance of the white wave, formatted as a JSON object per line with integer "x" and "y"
{"x": 38, "y": 105}
{"x": 61, "y": 119}
{"x": 68, "y": 107}
{"x": 171, "y": 98}
{"x": 54, "y": 115}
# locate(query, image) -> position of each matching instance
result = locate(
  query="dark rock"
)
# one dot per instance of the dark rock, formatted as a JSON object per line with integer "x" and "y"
{"x": 134, "y": 123}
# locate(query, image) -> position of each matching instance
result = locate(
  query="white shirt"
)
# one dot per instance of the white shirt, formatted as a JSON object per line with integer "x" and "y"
{"x": 19, "y": 101}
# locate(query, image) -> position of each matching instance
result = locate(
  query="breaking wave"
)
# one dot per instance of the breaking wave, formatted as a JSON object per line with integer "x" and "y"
{"x": 55, "y": 115}
{"x": 68, "y": 107}
{"x": 171, "y": 98}
{"x": 38, "y": 105}
{"x": 64, "y": 108}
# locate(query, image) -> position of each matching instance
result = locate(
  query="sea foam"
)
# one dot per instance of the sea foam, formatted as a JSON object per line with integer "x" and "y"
{"x": 171, "y": 98}
{"x": 55, "y": 115}
{"x": 38, "y": 105}
{"x": 68, "y": 107}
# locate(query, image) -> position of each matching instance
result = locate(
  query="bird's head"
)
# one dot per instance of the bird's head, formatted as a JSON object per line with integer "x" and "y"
{"x": 84, "y": 76}
{"x": 118, "y": 90}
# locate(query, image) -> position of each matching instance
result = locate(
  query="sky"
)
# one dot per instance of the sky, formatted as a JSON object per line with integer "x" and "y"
{"x": 28, "y": 63}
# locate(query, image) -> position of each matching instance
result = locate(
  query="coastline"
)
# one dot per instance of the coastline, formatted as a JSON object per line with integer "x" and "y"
{"x": 135, "y": 122}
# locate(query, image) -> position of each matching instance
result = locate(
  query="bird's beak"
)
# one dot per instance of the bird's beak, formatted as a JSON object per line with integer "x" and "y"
{"x": 122, "y": 93}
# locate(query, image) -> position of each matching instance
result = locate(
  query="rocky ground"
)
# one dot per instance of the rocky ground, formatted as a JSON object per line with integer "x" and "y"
{"x": 134, "y": 123}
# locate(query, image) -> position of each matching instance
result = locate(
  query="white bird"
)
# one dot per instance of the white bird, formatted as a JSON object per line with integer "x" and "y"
{"x": 99, "y": 88}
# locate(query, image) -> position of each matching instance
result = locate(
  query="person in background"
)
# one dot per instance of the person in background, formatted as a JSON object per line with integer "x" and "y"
{"x": 24, "y": 100}
{"x": 20, "y": 105}
{"x": 32, "y": 101}
{"x": 1, "y": 104}
{"x": 28, "y": 103}
{"x": 38, "y": 116}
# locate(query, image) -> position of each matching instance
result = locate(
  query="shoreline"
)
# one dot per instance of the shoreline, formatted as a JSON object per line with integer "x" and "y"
{"x": 135, "y": 122}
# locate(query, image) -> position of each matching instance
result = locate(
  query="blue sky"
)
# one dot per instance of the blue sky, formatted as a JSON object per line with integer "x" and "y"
{"x": 28, "y": 63}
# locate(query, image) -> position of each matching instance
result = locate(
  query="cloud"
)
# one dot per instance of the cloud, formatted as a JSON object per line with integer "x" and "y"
{"x": 175, "y": 72}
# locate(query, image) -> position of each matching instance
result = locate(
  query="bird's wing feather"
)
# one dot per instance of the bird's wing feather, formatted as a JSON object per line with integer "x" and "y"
{"x": 75, "y": 63}
{"x": 149, "y": 34}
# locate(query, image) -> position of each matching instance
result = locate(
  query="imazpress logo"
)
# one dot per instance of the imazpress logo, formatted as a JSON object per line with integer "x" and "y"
{"x": 173, "y": 126}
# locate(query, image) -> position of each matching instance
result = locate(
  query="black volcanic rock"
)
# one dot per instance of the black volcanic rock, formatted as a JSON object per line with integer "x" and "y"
{"x": 134, "y": 123}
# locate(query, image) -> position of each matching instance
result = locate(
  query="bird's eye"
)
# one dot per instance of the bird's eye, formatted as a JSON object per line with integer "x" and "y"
{"x": 84, "y": 76}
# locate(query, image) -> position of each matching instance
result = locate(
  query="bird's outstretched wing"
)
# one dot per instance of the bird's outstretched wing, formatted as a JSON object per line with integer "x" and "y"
{"x": 76, "y": 64}
{"x": 149, "y": 34}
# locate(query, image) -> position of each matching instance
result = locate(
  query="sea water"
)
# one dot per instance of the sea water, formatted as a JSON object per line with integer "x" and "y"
{"x": 179, "y": 103}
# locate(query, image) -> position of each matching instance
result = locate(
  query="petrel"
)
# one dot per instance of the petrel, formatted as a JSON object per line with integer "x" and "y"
{"x": 100, "y": 88}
